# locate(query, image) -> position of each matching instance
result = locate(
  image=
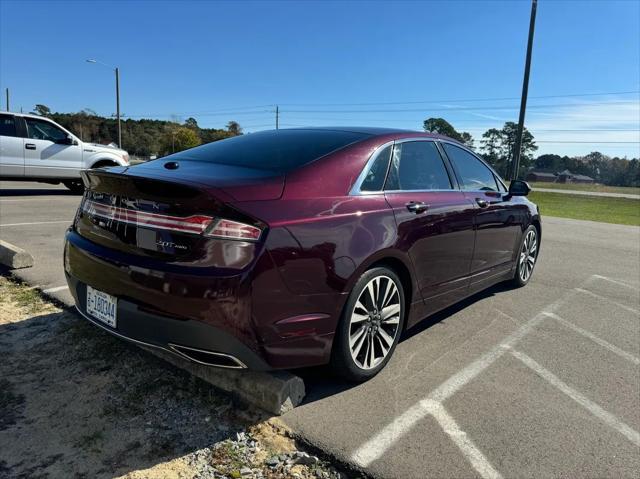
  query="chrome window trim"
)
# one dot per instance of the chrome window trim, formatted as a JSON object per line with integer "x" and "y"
{"x": 475, "y": 155}
{"x": 450, "y": 190}
{"x": 355, "y": 189}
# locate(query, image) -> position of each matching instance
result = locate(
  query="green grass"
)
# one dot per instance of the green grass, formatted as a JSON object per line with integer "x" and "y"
{"x": 632, "y": 190}
{"x": 621, "y": 211}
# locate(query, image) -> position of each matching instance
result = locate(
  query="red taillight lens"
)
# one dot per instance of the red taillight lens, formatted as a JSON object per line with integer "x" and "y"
{"x": 195, "y": 224}
{"x": 233, "y": 230}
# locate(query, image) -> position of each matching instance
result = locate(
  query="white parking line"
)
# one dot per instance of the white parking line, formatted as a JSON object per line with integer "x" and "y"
{"x": 606, "y": 417}
{"x": 36, "y": 223}
{"x": 375, "y": 447}
{"x": 607, "y": 300}
{"x": 54, "y": 290}
{"x": 12, "y": 200}
{"x": 462, "y": 440}
{"x": 614, "y": 349}
{"x": 616, "y": 281}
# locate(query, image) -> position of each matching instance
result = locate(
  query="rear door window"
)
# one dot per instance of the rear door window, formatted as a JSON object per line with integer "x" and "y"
{"x": 417, "y": 165}
{"x": 474, "y": 175}
{"x": 374, "y": 181}
{"x": 7, "y": 125}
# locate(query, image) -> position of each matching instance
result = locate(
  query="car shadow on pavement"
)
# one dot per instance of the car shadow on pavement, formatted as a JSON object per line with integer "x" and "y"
{"x": 76, "y": 402}
{"x": 320, "y": 382}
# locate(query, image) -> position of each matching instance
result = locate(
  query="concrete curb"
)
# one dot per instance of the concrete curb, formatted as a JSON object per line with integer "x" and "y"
{"x": 275, "y": 392}
{"x": 14, "y": 257}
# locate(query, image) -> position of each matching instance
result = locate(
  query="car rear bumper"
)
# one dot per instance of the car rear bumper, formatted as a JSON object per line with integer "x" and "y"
{"x": 189, "y": 339}
{"x": 206, "y": 315}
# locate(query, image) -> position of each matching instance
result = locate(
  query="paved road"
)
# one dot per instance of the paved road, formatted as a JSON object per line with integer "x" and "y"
{"x": 588, "y": 193}
{"x": 541, "y": 381}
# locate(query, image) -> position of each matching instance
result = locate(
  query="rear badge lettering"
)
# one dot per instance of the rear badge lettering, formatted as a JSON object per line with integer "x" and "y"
{"x": 171, "y": 244}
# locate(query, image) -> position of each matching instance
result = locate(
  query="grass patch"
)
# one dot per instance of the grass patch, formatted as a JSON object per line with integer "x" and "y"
{"x": 622, "y": 211}
{"x": 631, "y": 190}
{"x": 21, "y": 297}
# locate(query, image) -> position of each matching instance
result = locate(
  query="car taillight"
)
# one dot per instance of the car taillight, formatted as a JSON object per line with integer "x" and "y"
{"x": 191, "y": 224}
{"x": 229, "y": 229}
{"x": 195, "y": 224}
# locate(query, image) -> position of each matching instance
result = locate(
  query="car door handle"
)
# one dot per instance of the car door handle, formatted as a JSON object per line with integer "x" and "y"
{"x": 30, "y": 146}
{"x": 482, "y": 203}
{"x": 417, "y": 207}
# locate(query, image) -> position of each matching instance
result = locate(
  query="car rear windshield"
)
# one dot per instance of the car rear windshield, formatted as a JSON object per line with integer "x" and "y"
{"x": 279, "y": 151}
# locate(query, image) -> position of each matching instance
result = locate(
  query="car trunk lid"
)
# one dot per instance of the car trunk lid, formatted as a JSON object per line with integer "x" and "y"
{"x": 168, "y": 217}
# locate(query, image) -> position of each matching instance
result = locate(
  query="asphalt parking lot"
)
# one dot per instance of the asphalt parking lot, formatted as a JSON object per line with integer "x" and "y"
{"x": 541, "y": 381}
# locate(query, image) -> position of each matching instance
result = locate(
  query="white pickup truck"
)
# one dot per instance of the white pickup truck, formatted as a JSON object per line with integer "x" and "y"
{"x": 35, "y": 148}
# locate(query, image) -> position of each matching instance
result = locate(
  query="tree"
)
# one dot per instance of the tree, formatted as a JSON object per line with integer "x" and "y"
{"x": 497, "y": 147}
{"x": 234, "y": 128}
{"x": 178, "y": 139}
{"x": 191, "y": 123}
{"x": 443, "y": 127}
{"x": 42, "y": 110}
{"x": 467, "y": 139}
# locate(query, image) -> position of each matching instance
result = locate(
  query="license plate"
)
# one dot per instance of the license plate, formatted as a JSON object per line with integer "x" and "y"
{"x": 102, "y": 306}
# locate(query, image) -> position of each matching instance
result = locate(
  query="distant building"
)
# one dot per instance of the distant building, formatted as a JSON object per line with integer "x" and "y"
{"x": 567, "y": 177}
{"x": 541, "y": 176}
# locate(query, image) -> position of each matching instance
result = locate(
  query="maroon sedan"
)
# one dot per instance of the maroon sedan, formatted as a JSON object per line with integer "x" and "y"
{"x": 294, "y": 248}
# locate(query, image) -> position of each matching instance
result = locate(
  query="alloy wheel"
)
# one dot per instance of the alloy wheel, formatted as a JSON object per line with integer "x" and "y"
{"x": 528, "y": 255}
{"x": 375, "y": 321}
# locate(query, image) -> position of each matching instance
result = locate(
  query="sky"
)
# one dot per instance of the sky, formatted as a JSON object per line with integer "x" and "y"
{"x": 382, "y": 63}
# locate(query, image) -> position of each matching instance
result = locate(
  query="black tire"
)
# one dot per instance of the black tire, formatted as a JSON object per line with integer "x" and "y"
{"x": 531, "y": 243}
{"x": 377, "y": 336}
{"x": 75, "y": 186}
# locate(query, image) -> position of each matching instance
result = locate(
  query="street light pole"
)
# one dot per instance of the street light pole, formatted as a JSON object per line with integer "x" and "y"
{"x": 117, "y": 71}
{"x": 515, "y": 165}
{"x": 118, "y": 106}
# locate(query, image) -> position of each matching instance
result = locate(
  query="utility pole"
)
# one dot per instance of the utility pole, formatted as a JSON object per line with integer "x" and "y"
{"x": 515, "y": 164}
{"x": 118, "y": 106}
{"x": 117, "y": 71}
{"x": 7, "y": 91}
{"x": 277, "y": 117}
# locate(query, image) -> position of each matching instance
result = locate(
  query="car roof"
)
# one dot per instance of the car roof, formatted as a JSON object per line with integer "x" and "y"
{"x": 26, "y": 115}
{"x": 367, "y": 130}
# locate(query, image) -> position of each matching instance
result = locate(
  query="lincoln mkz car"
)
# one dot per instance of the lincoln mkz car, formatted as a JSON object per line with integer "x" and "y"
{"x": 295, "y": 248}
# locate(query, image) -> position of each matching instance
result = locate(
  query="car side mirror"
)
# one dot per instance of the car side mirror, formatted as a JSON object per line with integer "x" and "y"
{"x": 65, "y": 141}
{"x": 519, "y": 188}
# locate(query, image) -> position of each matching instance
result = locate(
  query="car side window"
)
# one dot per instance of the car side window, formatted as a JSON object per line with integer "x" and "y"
{"x": 374, "y": 181}
{"x": 474, "y": 175}
{"x": 8, "y": 125}
{"x": 43, "y": 130}
{"x": 417, "y": 165}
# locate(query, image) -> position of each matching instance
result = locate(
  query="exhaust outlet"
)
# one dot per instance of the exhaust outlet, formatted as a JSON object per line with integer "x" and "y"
{"x": 208, "y": 358}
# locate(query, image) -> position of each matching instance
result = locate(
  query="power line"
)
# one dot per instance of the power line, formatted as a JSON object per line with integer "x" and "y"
{"x": 455, "y": 109}
{"x": 420, "y": 119}
{"x": 239, "y": 109}
{"x": 571, "y": 95}
{"x": 589, "y": 142}
{"x": 204, "y": 112}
